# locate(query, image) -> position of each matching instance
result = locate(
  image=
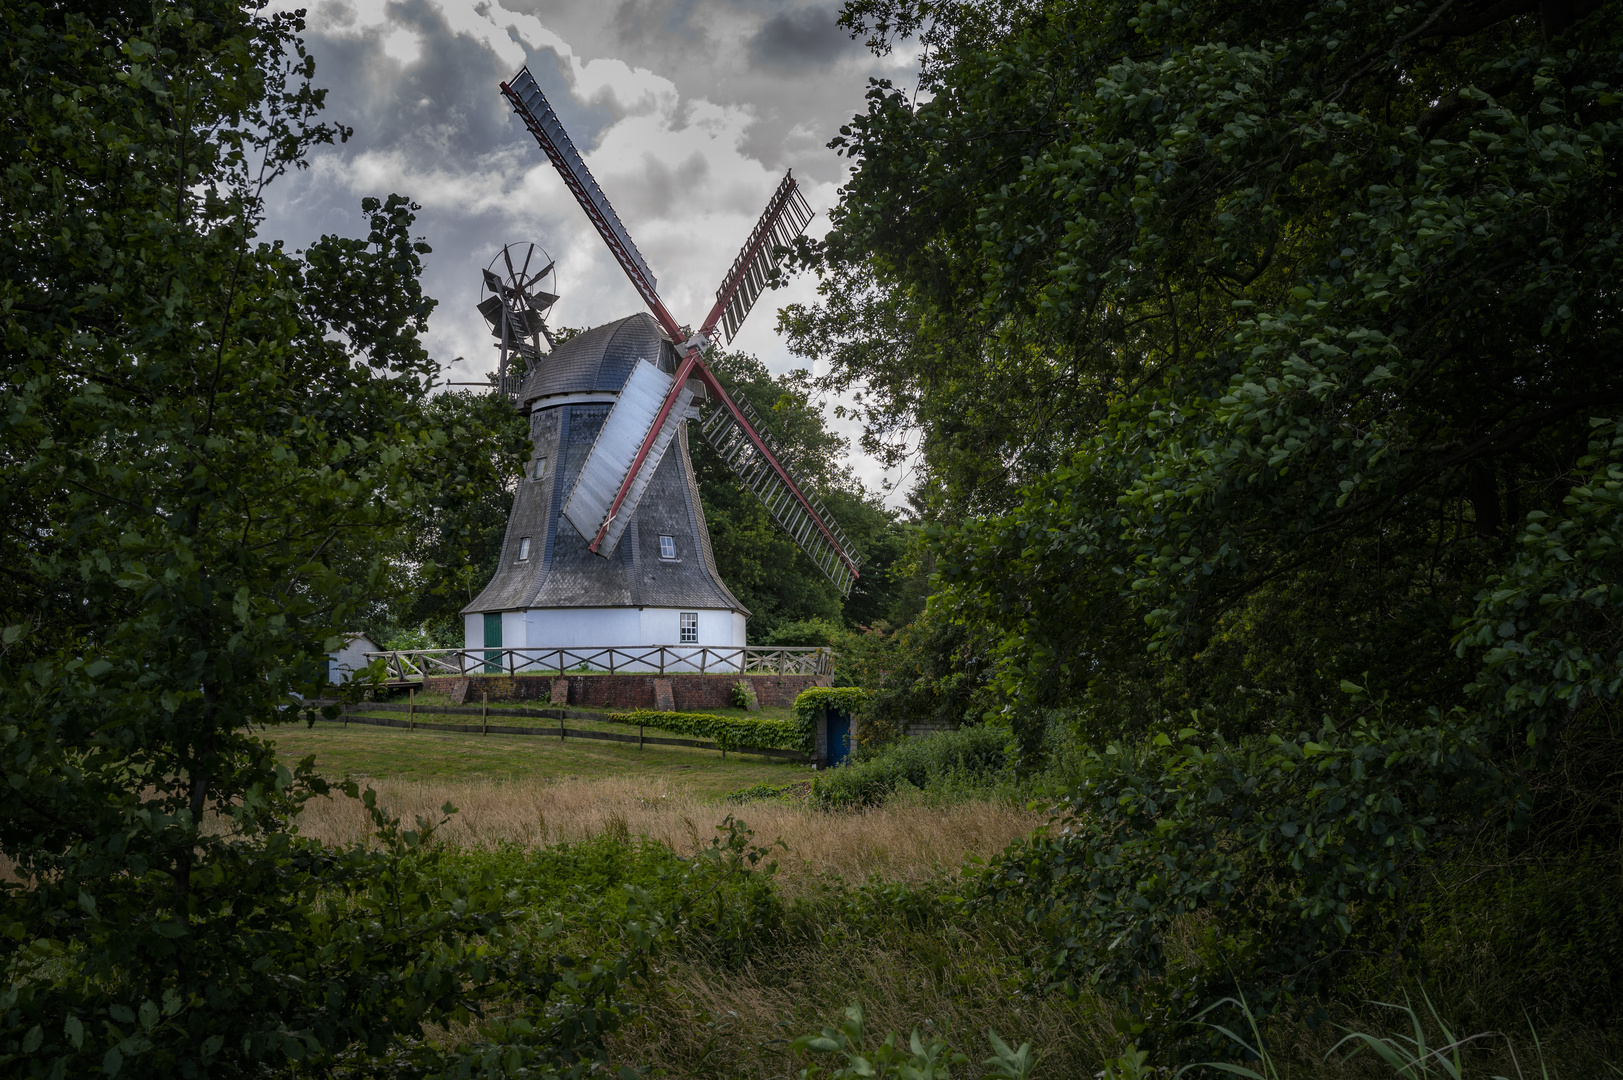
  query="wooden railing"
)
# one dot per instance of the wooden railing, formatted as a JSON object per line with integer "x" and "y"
{"x": 410, "y": 665}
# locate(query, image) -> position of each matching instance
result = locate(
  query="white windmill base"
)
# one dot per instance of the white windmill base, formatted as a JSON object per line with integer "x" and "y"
{"x": 589, "y": 629}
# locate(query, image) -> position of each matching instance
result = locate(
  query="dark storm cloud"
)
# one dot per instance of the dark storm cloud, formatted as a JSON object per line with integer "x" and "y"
{"x": 443, "y": 103}
{"x": 433, "y": 121}
{"x": 807, "y": 37}
{"x": 658, "y": 23}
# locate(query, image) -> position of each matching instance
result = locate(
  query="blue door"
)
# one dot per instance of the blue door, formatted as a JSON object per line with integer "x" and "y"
{"x": 839, "y": 736}
{"x": 493, "y": 641}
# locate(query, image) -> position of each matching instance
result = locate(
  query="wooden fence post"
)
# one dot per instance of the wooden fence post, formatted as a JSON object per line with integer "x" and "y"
{"x": 639, "y": 736}
{"x": 484, "y": 713}
{"x": 411, "y": 710}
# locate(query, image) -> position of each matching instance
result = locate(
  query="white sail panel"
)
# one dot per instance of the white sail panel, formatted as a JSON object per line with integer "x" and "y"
{"x": 614, "y": 449}
{"x": 639, "y": 483}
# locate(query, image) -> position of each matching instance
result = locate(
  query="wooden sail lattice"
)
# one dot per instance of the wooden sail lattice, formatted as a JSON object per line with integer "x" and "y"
{"x": 785, "y": 218}
{"x": 805, "y": 520}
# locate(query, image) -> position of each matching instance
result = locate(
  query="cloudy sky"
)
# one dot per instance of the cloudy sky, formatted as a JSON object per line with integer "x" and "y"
{"x": 688, "y": 112}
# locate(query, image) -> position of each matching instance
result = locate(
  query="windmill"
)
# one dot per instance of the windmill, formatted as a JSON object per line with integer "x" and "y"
{"x": 516, "y": 310}
{"x": 607, "y": 544}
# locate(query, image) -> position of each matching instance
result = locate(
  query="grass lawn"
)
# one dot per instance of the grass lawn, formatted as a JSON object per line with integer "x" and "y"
{"x": 398, "y": 754}
{"x": 425, "y": 699}
{"x": 598, "y": 722}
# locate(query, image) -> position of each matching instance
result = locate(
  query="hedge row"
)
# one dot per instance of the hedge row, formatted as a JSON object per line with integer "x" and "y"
{"x": 728, "y": 732}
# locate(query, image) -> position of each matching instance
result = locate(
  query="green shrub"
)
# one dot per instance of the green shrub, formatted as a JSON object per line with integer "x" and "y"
{"x": 1287, "y": 852}
{"x": 728, "y": 732}
{"x": 763, "y": 791}
{"x": 972, "y": 757}
{"x": 813, "y": 702}
{"x": 722, "y": 902}
{"x": 806, "y": 633}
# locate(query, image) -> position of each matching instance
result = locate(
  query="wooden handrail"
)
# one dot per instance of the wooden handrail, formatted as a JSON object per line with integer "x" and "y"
{"x": 404, "y": 665}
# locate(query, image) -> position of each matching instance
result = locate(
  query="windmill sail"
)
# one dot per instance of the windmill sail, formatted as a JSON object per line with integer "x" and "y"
{"x": 614, "y": 454}
{"x": 531, "y": 104}
{"x": 759, "y": 469}
{"x": 786, "y": 216}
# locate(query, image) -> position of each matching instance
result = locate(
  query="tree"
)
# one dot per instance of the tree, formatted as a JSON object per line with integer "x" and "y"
{"x": 1248, "y": 344}
{"x": 209, "y": 446}
{"x": 453, "y": 542}
{"x": 1257, "y": 343}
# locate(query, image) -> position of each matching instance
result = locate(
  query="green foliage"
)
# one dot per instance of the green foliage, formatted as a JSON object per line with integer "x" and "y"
{"x": 414, "y": 638}
{"x": 763, "y": 791}
{"x": 862, "y": 656}
{"x": 728, "y": 732}
{"x": 209, "y": 447}
{"x": 1184, "y": 300}
{"x": 453, "y": 541}
{"x": 325, "y": 956}
{"x": 1293, "y": 851}
{"x": 1248, "y": 345}
{"x": 803, "y": 633}
{"x": 920, "y": 1059}
{"x": 1546, "y": 630}
{"x": 935, "y": 670}
{"x": 813, "y": 702}
{"x": 972, "y": 759}
{"x": 721, "y": 903}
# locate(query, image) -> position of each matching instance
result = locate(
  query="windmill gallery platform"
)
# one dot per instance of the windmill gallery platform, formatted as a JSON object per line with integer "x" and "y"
{"x": 661, "y": 677}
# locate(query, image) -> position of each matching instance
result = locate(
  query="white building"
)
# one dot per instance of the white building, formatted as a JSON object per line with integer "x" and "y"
{"x": 350, "y": 657}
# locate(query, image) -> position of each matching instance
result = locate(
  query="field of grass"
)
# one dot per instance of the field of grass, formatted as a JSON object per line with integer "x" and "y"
{"x": 376, "y": 753}
{"x": 536, "y": 790}
{"x": 863, "y": 905}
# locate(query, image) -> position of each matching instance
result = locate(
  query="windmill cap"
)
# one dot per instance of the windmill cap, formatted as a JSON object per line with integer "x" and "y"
{"x": 599, "y": 359}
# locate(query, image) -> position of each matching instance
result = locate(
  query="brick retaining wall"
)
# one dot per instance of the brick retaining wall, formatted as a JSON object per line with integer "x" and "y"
{"x": 691, "y": 693}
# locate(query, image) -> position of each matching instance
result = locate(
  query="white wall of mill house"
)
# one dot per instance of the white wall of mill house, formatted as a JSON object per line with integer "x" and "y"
{"x": 350, "y": 657}
{"x": 571, "y": 628}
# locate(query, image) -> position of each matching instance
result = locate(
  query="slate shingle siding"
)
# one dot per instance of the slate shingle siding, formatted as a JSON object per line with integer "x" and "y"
{"x": 561, "y": 572}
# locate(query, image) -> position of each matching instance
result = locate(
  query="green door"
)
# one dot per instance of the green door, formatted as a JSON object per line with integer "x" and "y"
{"x": 493, "y": 643}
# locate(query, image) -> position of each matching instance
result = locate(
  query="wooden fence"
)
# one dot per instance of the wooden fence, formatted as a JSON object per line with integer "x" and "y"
{"x": 411, "y": 665}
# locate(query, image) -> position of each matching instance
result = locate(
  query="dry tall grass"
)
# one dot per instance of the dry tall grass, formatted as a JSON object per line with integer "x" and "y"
{"x": 704, "y": 1020}
{"x": 904, "y": 841}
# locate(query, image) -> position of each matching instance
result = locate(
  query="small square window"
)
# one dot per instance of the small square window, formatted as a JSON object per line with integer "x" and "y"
{"x": 690, "y": 628}
{"x": 667, "y": 547}
{"x": 538, "y": 469}
{"x": 523, "y": 548}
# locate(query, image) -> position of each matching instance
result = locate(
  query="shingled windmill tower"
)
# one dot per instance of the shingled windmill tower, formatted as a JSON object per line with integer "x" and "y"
{"x": 607, "y": 544}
